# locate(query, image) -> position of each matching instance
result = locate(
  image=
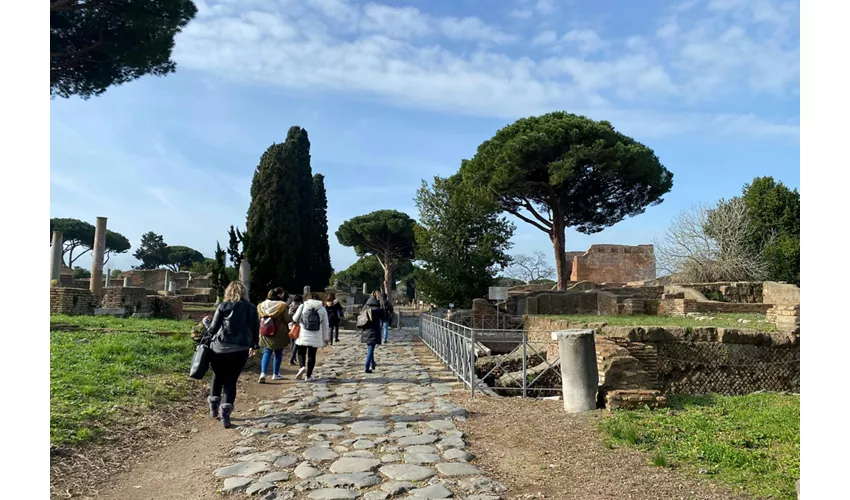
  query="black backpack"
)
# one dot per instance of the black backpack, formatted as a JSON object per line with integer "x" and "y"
{"x": 312, "y": 320}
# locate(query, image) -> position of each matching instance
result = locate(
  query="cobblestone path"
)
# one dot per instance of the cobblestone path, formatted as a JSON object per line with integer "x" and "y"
{"x": 351, "y": 434}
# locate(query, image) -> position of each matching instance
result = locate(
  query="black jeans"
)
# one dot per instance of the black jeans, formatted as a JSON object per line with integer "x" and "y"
{"x": 294, "y": 348}
{"x": 226, "y": 368}
{"x": 335, "y": 333}
{"x": 310, "y": 353}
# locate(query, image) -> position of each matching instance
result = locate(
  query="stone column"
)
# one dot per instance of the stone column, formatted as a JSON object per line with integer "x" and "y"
{"x": 245, "y": 275}
{"x": 579, "y": 373}
{"x": 364, "y": 289}
{"x": 306, "y": 292}
{"x": 126, "y": 281}
{"x": 171, "y": 287}
{"x": 56, "y": 256}
{"x": 108, "y": 277}
{"x": 167, "y": 278}
{"x": 96, "y": 281}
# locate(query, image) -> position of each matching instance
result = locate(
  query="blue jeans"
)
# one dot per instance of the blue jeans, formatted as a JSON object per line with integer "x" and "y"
{"x": 267, "y": 355}
{"x": 370, "y": 356}
{"x": 385, "y": 327}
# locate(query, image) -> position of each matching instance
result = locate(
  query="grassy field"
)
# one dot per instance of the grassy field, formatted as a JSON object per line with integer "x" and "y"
{"x": 96, "y": 375}
{"x": 751, "y": 442}
{"x": 124, "y": 324}
{"x": 755, "y": 321}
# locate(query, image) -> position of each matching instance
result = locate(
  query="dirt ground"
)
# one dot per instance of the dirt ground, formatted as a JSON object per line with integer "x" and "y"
{"x": 177, "y": 462}
{"x": 531, "y": 446}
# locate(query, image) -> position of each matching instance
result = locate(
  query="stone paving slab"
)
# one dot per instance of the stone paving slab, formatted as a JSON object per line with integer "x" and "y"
{"x": 354, "y": 435}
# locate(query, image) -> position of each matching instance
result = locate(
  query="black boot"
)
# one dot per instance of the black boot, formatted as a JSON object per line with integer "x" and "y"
{"x": 214, "y": 402}
{"x": 226, "y": 410}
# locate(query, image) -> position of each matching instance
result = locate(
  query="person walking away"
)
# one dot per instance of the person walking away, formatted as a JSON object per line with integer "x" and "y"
{"x": 313, "y": 318}
{"x": 236, "y": 329}
{"x": 294, "y": 303}
{"x": 274, "y": 322}
{"x": 370, "y": 333}
{"x": 335, "y": 315}
{"x": 387, "y": 316}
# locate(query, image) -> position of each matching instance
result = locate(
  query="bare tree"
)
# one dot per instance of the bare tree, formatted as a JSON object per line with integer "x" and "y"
{"x": 710, "y": 244}
{"x": 530, "y": 268}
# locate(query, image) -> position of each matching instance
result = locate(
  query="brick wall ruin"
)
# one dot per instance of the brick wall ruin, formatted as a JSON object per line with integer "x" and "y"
{"x": 676, "y": 360}
{"x": 614, "y": 264}
{"x": 134, "y": 299}
{"x": 72, "y": 301}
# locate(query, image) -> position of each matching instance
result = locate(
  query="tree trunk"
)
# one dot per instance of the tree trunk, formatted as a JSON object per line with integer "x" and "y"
{"x": 388, "y": 277}
{"x": 558, "y": 243}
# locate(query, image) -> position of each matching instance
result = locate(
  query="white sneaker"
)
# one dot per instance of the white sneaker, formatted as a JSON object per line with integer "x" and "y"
{"x": 301, "y": 372}
{"x": 277, "y": 377}
{"x": 311, "y": 379}
{"x": 262, "y": 378}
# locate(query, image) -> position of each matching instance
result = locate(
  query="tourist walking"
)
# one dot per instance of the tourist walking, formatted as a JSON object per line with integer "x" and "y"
{"x": 335, "y": 315}
{"x": 274, "y": 332}
{"x": 370, "y": 333}
{"x": 313, "y": 318}
{"x": 236, "y": 329}
{"x": 387, "y": 316}
{"x": 294, "y": 303}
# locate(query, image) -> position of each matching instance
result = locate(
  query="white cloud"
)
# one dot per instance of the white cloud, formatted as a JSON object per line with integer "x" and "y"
{"x": 404, "y": 22}
{"x": 545, "y": 38}
{"x": 406, "y": 57}
{"x": 735, "y": 45}
{"x": 586, "y": 40}
{"x": 521, "y": 13}
{"x": 473, "y": 28}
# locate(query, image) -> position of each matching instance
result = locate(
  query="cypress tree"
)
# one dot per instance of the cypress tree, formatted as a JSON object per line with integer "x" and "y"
{"x": 273, "y": 230}
{"x": 298, "y": 147}
{"x": 323, "y": 270}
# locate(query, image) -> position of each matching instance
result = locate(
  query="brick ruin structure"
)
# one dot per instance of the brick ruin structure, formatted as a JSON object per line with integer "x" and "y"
{"x": 159, "y": 293}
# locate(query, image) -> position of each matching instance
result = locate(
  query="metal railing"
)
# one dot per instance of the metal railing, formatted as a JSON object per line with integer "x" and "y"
{"x": 493, "y": 361}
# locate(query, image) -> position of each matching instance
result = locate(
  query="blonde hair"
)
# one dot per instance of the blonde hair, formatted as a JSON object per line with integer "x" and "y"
{"x": 235, "y": 292}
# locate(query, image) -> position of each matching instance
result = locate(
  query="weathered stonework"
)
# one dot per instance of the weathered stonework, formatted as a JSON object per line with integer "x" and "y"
{"x": 72, "y": 301}
{"x": 633, "y": 399}
{"x": 166, "y": 307}
{"x": 685, "y": 360}
{"x": 134, "y": 299}
{"x": 614, "y": 264}
{"x": 786, "y": 318}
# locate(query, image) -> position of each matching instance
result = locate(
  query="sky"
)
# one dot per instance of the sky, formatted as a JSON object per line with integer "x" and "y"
{"x": 395, "y": 92}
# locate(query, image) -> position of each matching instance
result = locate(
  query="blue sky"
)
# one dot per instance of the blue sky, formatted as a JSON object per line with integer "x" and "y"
{"x": 394, "y": 92}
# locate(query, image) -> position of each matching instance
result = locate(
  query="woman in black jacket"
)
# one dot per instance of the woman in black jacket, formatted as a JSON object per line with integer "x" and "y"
{"x": 371, "y": 333}
{"x": 236, "y": 330}
{"x": 335, "y": 315}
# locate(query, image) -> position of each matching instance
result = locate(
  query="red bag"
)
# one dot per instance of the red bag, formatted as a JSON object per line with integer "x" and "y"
{"x": 268, "y": 327}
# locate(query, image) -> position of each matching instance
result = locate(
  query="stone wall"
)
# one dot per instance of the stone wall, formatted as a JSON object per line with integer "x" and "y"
{"x": 169, "y": 307}
{"x": 786, "y": 318}
{"x": 134, "y": 299}
{"x": 682, "y": 307}
{"x": 781, "y": 293}
{"x": 562, "y": 303}
{"x": 72, "y": 301}
{"x": 676, "y": 360}
{"x": 748, "y": 292}
{"x": 152, "y": 279}
{"x": 614, "y": 264}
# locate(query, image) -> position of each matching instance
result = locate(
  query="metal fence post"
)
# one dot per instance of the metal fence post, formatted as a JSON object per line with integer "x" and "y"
{"x": 472, "y": 362}
{"x": 524, "y": 364}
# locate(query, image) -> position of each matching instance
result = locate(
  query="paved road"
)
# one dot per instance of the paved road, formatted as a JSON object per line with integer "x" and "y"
{"x": 351, "y": 434}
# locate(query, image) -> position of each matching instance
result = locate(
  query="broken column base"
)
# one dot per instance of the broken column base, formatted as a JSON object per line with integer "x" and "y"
{"x": 634, "y": 399}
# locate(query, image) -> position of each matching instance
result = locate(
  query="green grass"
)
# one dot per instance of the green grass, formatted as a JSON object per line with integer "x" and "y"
{"x": 96, "y": 375}
{"x": 751, "y": 442}
{"x": 124, "y": 324}
{"x": 756, "y": 321}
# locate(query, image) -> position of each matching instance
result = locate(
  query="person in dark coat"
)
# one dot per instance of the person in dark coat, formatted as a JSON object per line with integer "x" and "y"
{"x": 335, "y": 315}
{"x": 371, "y": 333}
{"x": 236, "y": 329}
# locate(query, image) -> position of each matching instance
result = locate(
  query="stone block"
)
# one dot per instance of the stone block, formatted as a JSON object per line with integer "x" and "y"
{"x": 110, "y": 311}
